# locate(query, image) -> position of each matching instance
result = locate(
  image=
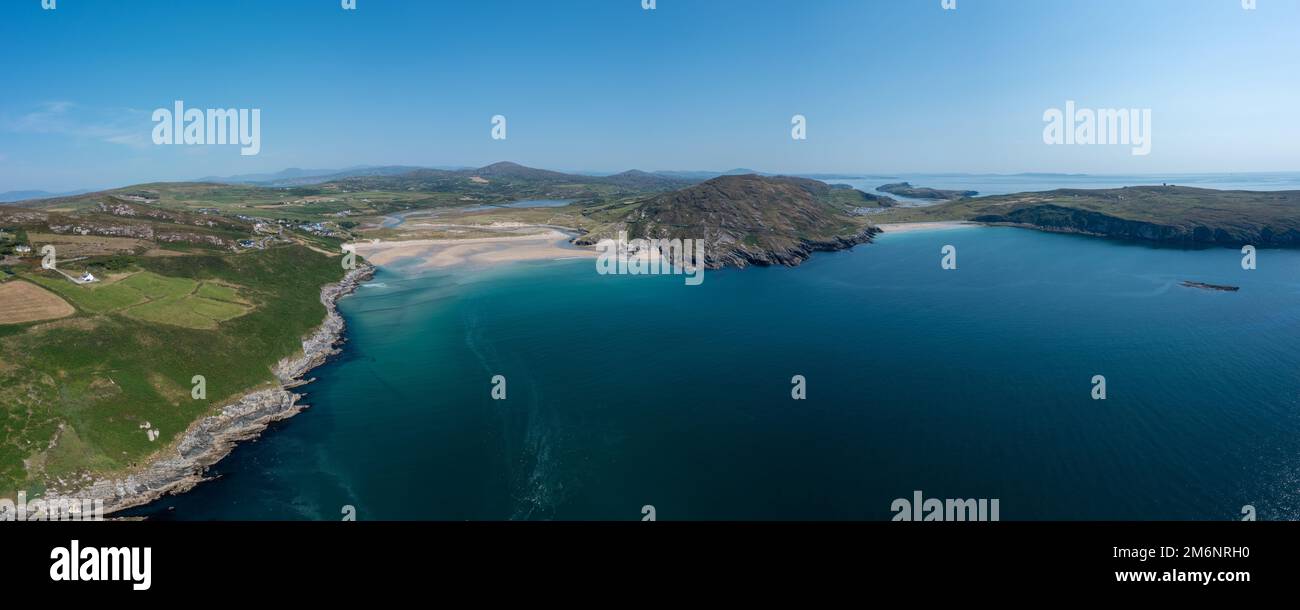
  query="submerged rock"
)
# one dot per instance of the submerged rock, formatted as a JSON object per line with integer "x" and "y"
{"x": 1204, "y": 286}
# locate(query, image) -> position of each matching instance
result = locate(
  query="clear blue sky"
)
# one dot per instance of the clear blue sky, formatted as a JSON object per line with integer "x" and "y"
{"x": 888, "y": 86}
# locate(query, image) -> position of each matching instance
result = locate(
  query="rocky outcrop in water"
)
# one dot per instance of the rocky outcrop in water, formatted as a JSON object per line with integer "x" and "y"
{"x": 1213, "y": 287}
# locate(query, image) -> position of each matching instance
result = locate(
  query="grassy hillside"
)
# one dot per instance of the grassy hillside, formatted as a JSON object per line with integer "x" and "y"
{"x": 223, "y": 280}
{"x": 371, "y": 195}
{"x": 748, "y": 219}
{"x": 501, "y": 182}
{"x": 75, "y": 393}
{"x": 1159, "y": 213}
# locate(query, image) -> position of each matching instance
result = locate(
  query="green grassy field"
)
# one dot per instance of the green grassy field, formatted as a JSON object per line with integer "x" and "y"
{"x": 90, "y": 298}
{"x": 154, "y": 298}
{"x": 156, "y": 286}
{"x": 217, "y": 292}
{"x": 75, "y": 392}
{"x": 188, "y": 311}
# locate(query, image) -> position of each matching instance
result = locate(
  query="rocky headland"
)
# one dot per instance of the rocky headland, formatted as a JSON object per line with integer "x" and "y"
{"x": 182, "y": 466}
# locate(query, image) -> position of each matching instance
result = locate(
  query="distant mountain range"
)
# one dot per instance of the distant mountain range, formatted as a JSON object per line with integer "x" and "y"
{"x": 751, "y": 218}
{"x": 509, "y": 180}
{"x": 633, "y": 178}
{"x": 297, "y": 177}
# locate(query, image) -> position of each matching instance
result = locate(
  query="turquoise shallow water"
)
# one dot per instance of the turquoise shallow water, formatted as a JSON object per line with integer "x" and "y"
{"x": 975, "y": 383}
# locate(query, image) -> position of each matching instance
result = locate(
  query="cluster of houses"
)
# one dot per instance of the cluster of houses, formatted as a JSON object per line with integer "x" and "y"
{"x": 266, "y": 231}
{"x": 316, "y": 228}
{"x": 307, "y": 201}
{"x": 261, "y": 242}
{"x": 275, "y": 227}
{"x": 23, "y": 250}
{"x": 19, "y": 249}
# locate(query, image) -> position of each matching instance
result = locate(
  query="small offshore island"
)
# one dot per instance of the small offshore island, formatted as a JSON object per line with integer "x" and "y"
{"x": 905, "y": 189}
{"x": 208, "y": 303}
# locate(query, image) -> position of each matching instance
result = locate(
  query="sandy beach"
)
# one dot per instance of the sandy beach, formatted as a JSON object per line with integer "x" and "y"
{"x": 907, "y": 227}
{"x": 424, "y": 254}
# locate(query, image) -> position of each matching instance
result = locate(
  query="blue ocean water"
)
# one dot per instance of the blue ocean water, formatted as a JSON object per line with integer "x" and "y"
{"x": 626, "y": 391}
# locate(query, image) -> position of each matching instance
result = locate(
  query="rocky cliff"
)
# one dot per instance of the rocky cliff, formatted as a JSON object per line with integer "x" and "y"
{"x": 1087, "y": 222}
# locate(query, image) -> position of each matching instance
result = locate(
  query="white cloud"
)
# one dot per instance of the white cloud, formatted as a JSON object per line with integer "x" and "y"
{"x": 126, "y": 127}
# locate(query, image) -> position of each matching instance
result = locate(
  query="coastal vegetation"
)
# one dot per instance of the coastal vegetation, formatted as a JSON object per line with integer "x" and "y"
{"x": 151, "y": 297}
{"x": 79, "y": 395}
{"x": 749, "y": 219}
{"x": 1165, "y": 213}
{"x": 224, "y": 280}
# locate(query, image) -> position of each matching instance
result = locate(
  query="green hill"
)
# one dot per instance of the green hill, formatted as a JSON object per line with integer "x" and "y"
{"x": 1172, "y": 214}
{"x": 749, "y": 219}
{"x": 102, "y": 390}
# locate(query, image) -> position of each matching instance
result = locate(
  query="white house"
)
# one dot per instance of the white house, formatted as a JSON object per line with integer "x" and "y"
{"x": 87, "y": 278}
{"x": 22, "y": 249}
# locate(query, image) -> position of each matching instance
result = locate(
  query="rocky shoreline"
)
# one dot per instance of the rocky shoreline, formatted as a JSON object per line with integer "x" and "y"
{"x": 792, "y": 255}
{"x": 212, "y": 438}
{"x": 1061, "y": 219}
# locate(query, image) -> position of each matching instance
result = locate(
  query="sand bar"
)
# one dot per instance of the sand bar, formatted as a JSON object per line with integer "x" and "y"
{"x": 423, "y": 254}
